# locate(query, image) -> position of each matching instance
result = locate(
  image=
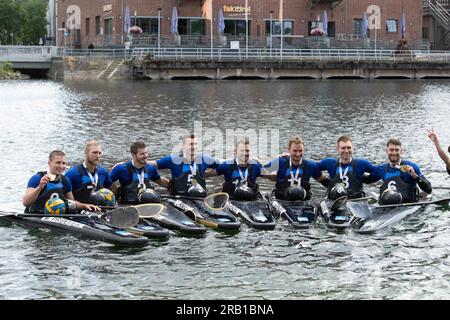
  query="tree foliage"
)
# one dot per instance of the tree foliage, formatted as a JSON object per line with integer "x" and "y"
{"x": 23, "y": 21}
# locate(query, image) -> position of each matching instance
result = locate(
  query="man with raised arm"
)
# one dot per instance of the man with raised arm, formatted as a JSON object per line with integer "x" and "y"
{"x": 45, "y": 184}
{"x": 442, "y": 154}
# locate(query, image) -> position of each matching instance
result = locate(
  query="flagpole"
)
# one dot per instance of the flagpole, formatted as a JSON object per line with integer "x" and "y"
{"x": 212, "y": 29}
{"x": 282, "y": 27}
{"x": 246, "y": 28}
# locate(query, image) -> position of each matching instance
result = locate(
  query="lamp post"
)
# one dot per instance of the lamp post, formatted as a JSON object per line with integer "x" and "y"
{"x": 135, "y": 17}
{"x": 212, "y": 45}
{"x": 159, "y": 29}
{"x": 282, "y": 27}
{"x": 271, "y": 32}
{"x": 246, "y": 28}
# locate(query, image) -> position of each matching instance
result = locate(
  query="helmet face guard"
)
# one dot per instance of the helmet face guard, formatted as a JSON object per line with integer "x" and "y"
{"x": 197, "y": 191}
{"x": 390, "y": 197}
{"x": 337, "y": 191}
{"x": 296, "y": 193}
{"x": 243, "y": 192}
{"x": 148, "y": 196}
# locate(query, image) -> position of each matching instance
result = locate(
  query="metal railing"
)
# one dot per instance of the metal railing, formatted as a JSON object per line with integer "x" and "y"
{"x": 438, "y": 10}
{"x": 27, "y": 53}
{"x": 221, "y": 54}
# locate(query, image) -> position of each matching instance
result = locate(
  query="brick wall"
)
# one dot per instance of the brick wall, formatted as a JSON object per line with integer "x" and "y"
{"x": 298, "y": 10}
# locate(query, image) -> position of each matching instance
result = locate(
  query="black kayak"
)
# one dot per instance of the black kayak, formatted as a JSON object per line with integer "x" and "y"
{"x": 210, "y": 211}
{"x": 255, "y": 214}
{"x": 149, "y": 229}
{"x": 88, "y": 227}
{"x": 336, "y": 215}
{"x": 299, "y": 214}
{"x": 167, "y": 216}
{"x": 374, "y": 218}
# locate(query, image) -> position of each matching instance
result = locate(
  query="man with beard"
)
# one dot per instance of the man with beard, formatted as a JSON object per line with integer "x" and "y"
{"x": 444, "y": 156}
{"x": 89, "y": 176}
{"x": 400, "y": 177}
{"x": 187, "y": 168}
{"x": 346, "y": 173}
{"x": 135, "y": 176}
{"x": 294, "y": 173}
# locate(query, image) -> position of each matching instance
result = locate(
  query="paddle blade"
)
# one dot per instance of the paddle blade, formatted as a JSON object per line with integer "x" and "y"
{"x": 122, "y": 217}
{"x": 149, "y": 210}
{"x": 216, "y": 201}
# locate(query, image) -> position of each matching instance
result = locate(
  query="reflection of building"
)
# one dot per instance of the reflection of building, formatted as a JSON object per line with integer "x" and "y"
{"x": 102, "y": 22}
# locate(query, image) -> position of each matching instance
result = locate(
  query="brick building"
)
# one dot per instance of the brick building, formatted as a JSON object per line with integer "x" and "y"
{"x": 106, "y": 22}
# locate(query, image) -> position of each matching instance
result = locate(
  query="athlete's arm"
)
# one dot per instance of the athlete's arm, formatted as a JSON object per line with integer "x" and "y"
{"x": 441, "y": 152}
{"x": 80, "y": 205}
{"x": 34, "y": 189}
{"x": 163, "y": 182}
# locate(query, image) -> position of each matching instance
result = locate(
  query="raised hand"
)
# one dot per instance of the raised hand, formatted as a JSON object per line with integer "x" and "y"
{"x": 433, "y": 136}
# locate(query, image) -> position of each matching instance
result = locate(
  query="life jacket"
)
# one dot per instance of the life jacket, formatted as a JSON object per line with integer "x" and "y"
{"x": 181, "y": 184}
{"x": 58, "y": 186}
{"x": 282, "y": 186}
{"x": 353, "y": 186}
{"x": 129, "y": 193}
{"x": 396, "y": 181}
{"x": 230, "y": 186}
{"x": 83, "y": 193}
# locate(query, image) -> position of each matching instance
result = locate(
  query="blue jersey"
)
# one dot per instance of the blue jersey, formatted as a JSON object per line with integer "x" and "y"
{"x": 230, "y": 171}
{"x": 35, "y": 179}
{"x": 284, "y": 171}
{"x": 385, "y": 172}
{"x": 177, "y": 168}
{"x": 121, "y": 173}
{"x": 77, "y": 180}
{"x": 331, "y": 165}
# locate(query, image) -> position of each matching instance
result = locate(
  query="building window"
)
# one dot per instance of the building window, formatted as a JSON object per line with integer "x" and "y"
{"x": 236, "y": 27}
{"x": 97, "y": 25}
{"x": 147, "y": 24}
{"x": 88, "y": 26}
{"x": 190, "y": 27}
{"x": 276, "y": 27}
{"x": 107, "y": 26}
{"x": 391, "y": 25}
{"x": 357, "y": 27}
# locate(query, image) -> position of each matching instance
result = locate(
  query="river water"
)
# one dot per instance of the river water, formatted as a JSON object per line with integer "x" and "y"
{"x": 407, "y": 261}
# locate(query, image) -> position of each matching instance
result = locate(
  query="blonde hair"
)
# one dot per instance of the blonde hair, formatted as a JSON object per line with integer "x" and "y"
{"x": 89, "y": 144}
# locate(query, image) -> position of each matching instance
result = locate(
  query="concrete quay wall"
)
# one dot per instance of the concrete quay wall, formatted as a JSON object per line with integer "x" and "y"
{"x": 219, "y": 70}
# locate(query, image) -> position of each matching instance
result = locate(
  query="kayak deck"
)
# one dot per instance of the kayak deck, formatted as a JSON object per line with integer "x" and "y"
{"x": 91, "y": 228}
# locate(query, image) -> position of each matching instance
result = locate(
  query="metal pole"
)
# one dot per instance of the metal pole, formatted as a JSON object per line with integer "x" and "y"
{"x": 121, "y": 7}
{"x": 212, "y": 45}
{"x": 282, "y": 27}
{"x": 271, "y": 31}
{"x": 246, "y": 28}
{"x": 159, "y": 29}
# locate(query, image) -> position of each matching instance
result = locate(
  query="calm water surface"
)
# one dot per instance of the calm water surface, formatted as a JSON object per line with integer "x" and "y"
{"x": 410, "y": 260}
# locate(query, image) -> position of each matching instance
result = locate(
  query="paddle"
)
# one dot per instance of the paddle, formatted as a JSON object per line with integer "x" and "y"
{"x": 442, "y": 201}
{"x": 149, "y": 210}
{"x": 123, "y": 217}
{"x": 275, "y": 204}
{"x": 215, "y": 201}
{"x": 441, "y": 188}
{"x": 338, "y": 203}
